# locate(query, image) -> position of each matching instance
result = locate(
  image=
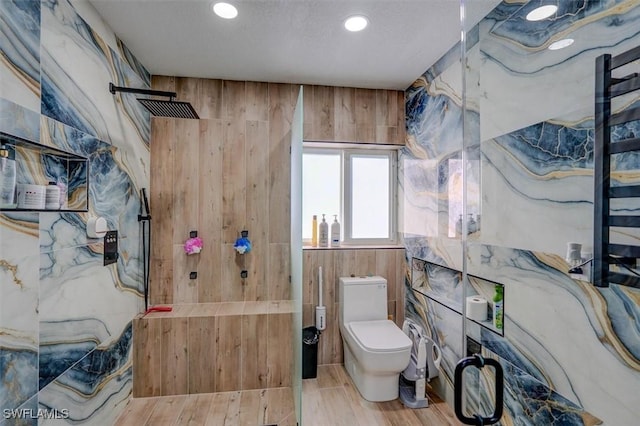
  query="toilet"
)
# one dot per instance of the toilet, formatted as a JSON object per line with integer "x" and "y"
{"x": 375, "y": 348}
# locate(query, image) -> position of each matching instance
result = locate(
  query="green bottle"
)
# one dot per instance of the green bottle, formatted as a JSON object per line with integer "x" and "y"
{"x": 498, "y": 307}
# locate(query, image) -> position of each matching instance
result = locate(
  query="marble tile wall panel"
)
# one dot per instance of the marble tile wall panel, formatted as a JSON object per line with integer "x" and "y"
{"x": 569, "y": 350}
{"x": 18, "y": 308}
{"x": 77, "y": 67}
{"x": 20, "y": 45}
{"x": 66, "y": 328}
{"x": 548, "y": 85}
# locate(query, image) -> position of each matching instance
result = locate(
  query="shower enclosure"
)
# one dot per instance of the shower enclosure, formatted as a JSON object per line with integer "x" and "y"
{"x": 497, "y": 182}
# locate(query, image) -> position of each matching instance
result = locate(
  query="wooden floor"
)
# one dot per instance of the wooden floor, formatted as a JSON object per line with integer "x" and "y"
{"x": 247, "y": 407}
{"x": 332, "y": 399}
{"x": 329, "y": 400}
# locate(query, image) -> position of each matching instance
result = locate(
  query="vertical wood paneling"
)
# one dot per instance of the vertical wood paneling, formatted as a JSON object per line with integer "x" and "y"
{"x": 323, "y": 113}
{"x": 401, "y": 276}
{"x": 228, "y": 353}
{"x": 345, "y": 118}
{"x": 209, "y": 103}
{"x": 307, "y": 125}
{"x": 210, "y": 213}
{"x": 202, "y": 354}
{"x": 401, "y": 123}
{"x": 185, "y": 179}
{"x": 339, "y": 263}
{"x": 147, "y": 361}
{"x": 174, "y": 371}
{"x": 231, "y": 171}
{"x": 279, "y": 350}
{"x": 233, "y": 151}
{"x": 255, "y": 368}
{"x": 161, "y": 200}
{"x": 279, "y": 272}
{"x": 185, "y": 289}
{"x": 257, "y": 170}
{"x": 385, "y": 266}
{"x": 232, "y": 285}
{"x": 233, "y": 182}
{"x": 257, "y": 101}
{"x": 365, "y": 115}
{"x": 280, "y": 116}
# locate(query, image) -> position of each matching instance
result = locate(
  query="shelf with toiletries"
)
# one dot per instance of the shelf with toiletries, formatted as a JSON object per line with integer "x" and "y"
{"x": 40, "y": 178}
{"x": 485, "y": 303}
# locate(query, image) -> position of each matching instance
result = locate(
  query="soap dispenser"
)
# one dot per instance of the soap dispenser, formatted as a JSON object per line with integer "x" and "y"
{"x": 323, "y": 237}
{"x": 335, "y": 232}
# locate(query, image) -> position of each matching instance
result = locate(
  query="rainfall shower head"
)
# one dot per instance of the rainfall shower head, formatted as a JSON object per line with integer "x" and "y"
{"x": 160, "y": 108}
{"x": 169, "y": 108}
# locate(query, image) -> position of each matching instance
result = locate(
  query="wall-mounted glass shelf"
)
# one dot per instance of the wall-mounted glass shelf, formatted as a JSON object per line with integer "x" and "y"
{"x": 38, "y": 164}
{"x": 443, "y": 285}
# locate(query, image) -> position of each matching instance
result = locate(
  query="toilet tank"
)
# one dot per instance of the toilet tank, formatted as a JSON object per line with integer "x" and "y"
{"x": 363, "y": 299}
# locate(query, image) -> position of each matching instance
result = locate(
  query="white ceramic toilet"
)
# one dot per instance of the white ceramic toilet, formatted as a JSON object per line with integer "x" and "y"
{"x": 375, "y": 348}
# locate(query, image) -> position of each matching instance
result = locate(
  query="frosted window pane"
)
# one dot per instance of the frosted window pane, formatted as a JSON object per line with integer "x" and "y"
{"x": 320, "y": 188}
{"x": 370, "y": 196}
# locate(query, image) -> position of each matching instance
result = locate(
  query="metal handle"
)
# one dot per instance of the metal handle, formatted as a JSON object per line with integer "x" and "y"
{"x": 479, "y": 362}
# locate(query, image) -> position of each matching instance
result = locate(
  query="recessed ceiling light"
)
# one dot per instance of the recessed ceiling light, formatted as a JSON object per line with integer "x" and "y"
{"x": 542, "y": 12}
{"x": 225, "y": 10}
{"x": 356, "y": 23}
{"x": 561, "y": 44}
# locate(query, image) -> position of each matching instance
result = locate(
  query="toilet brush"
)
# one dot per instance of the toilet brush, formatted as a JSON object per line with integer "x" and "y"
{"x": 321, "y": 310}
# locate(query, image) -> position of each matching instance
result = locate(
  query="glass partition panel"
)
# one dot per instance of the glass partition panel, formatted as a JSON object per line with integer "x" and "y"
{"x": 296, "y": 253}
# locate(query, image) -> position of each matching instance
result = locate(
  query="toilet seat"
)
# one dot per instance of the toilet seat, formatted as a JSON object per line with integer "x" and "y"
{"x": 379, "y": 336}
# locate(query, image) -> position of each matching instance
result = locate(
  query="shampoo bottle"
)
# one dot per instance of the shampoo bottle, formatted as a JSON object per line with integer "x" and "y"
{"x": 314, "y": 231}
{"x": 498, "y": 308}
{"x": 323, "y": 233}
{"x": 335, "y": 232}
{"x": 7, "y": 177}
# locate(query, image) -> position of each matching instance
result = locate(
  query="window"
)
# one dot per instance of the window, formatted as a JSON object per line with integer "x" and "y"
{"x": 356, "y": 186}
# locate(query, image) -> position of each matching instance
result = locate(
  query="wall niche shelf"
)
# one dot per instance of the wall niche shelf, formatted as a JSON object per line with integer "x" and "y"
{"x": 40, "y": 164}
{"x": 443, "y": 285}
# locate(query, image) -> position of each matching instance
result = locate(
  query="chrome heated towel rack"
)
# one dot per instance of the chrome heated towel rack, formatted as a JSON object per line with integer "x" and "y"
{"x": 606, "y": 253}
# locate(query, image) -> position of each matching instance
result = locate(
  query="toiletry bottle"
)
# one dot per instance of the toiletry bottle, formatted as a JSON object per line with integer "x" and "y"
{"x": 459, "y": 226}
{"x": 314, "y": 231}
{"x": 323, "y": 233}
{"x": 498, "y": 307}
{"x": 471, "y": 225}
{"x": 335, "y": 232}
{"x": 7, "y": 176}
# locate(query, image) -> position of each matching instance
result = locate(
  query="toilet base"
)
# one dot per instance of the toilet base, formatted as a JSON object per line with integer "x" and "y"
{"x": 376, "y": 387}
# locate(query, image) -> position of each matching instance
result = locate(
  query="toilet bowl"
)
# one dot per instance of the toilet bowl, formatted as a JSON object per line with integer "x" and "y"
{"x": 375, "y": 348}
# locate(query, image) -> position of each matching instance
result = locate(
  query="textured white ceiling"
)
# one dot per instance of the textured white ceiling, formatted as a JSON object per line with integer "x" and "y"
{"x": 291, "y": 41}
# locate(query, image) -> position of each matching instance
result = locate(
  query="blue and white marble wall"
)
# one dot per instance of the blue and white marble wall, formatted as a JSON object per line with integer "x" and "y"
{"x": 65, "y": 319}
{"x": 571, "y": 352}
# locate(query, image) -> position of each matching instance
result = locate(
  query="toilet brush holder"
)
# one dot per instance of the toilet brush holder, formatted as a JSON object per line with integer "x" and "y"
{"x": 321, "y": 317}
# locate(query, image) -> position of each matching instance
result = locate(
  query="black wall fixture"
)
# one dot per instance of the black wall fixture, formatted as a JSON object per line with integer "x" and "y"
{"x": 606, "y": 253}
{"x": 160, "y": 108}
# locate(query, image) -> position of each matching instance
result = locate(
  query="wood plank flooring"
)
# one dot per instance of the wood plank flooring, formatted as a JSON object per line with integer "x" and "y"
{"x": 329, "y": 400}
{"x": 332, "y": 400}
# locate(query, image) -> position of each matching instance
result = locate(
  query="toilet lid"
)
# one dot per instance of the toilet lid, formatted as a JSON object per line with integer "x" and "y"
{"x": 380, "y": 335}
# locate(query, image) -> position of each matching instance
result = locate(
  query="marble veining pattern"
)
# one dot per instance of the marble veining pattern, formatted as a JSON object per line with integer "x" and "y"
{"x": 20, "y": 46}
{"x": 65, "y": 318}
{"x": 570, "y": 351}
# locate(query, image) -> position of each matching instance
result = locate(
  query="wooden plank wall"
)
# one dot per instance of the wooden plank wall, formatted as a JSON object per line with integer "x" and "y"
{"x": 230, "y": 170}
{"x": 227, "y": 172}
{"x": 336, "y": 263}
{"x": 214, "y": 347}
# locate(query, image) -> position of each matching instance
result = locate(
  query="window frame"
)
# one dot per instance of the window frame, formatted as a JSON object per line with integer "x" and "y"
{"x": 346, "y": 154}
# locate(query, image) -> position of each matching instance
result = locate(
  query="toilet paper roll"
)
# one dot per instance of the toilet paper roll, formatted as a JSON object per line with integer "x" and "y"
{"x": 477, "y": 308}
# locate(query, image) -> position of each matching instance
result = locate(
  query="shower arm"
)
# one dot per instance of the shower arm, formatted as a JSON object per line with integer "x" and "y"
{"x": 113, "y": 89}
